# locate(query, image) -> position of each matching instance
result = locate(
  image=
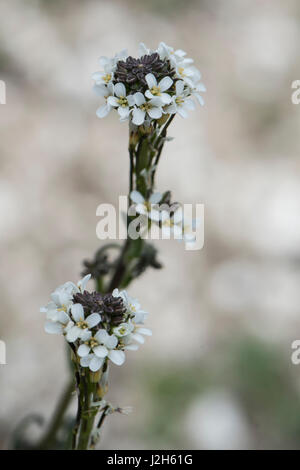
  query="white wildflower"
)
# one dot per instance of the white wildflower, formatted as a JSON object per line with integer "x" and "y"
{"x": 158, "y": 89}
{"x": 144, "y": 109}
{"x": 121, "y": 101}
{"x": 181, "y": 103}
{"x": 148, "y": 207}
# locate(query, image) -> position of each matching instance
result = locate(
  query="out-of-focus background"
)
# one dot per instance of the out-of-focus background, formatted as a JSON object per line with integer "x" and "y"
{"x": 217, "y": 372}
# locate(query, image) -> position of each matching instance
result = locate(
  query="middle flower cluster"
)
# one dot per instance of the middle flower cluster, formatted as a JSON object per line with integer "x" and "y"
{"x": 99, "y": 327}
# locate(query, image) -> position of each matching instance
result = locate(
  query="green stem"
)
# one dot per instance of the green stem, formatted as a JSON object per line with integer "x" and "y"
{"x": 87, "y": 414}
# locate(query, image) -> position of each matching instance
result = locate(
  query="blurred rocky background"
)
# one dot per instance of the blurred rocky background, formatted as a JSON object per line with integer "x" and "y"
{"x": 217, "y": 372}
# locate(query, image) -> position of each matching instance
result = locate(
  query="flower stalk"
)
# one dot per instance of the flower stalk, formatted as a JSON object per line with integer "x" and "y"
{"x": 102, "y": 325}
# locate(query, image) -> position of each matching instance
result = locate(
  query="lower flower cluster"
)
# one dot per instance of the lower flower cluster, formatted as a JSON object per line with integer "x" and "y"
{"x": 98, "y": 327}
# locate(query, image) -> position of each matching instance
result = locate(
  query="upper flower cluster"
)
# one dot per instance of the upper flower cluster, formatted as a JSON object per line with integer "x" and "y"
{"x": 157, "y": 83}
{"x": 100, "y": 327}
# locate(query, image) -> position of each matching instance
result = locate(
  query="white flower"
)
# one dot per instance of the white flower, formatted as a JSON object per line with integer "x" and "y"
{"x": 143, "y": 49}
{"x": 172, "y": 224}
{"x": 167, "y": 52}
{"x": 143, "y": 108}
{"x": 137, "y": 334}
{"x": 103, "y": 345}
{"x": 108, "y": 64}
{"x": 189, "y": 74}
{"x": 81, "y": 324}
{"x": 63, "y": 295}
{"x": 83, "y": 282}
{"x": 158, "y": 89}
{"x": 182, "y": 228}
{"x": 62, "y": 298}
{"x": 181, "y": 103}
{"x": 146, "y": 207}
{"x": 121, "y": 101}
{"x": 196, "y": 92}
{"x": 133, "y": 307}
{"x": 61, "y": 325}
{"x": 123, "y": 329}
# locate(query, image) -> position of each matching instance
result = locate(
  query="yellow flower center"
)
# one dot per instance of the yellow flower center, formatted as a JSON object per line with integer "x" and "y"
{"x": 145, "y": 107}
{"x": 82, "y": 324}
{"x": 63, "y": 308}
{"x": 122, "y": 101}
{"x": 92, "y": 342}
{"x": 179, "y": 100}
{"x": 169, "y": 223}
{"x": 107, "y": 78}
{"x": 155, "y": 91}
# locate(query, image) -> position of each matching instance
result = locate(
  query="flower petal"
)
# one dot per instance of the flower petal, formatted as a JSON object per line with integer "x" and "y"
{"x": 111, "y": 342}
{"x": 143, "y": 49}
{"x": 130, "y": 100}
{"x": 117, "y": 357}
{"x": 166, "y": 99}
{"x": 123, "y": 112}
{"x": 132, "y": 347}
{"x": 100, "y": 351}
{"x": 85, "y": 335}
{"x": 182, "y": 112}
{"x": 151, "y": 80}
{"x": 73, "y": 334}
{"x": 179, "y": 87}
{"x": 137, "y": 197}
{"x": 145, "y": 331}
{"x": 199, "y": 99}
{"x": 85, "y": 361}
{"x": 155, "y": 198}
{"x": 93, "y": 320}
{"x": 63, "y": 317}
{"x": 53, "y": 328}
{"x": 77, "y": 312}
{"x": 165, "y": 83}
{"x": 120, "y": 89}
{"x": 101, "y": 336}
{"x": 97, "y": 76}
{"x": 113, "y": 101}
{"x": 139, "y": 338}
{"x": 96, "y": 364}
{"x": 100, "y": 90}
{"x": 139, "y": 98}
{"x": 155, "y": 113}
{"x": 83, "y": 282}
{"x": 149, "y": 94}
{"x": 103, "y": 111}
{"x": 138, "y": 116}
{"x": 189, "y": 104}
{"x": 83, "y": 350}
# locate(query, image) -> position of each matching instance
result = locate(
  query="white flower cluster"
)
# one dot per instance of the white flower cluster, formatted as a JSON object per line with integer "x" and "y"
{"x": 169, "y": 95}
{"x": 95, "y": 339}
{"x": 172, "y": 223}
